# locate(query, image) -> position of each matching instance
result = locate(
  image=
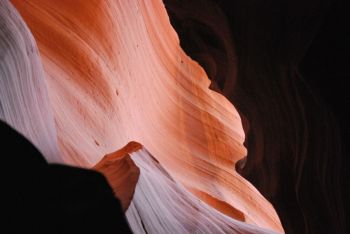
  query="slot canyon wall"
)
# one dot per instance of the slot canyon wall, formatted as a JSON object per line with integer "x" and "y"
{"x": 284, "y": 65}
{"x": 115, "y": 73}
{"x": 98, "y": 74}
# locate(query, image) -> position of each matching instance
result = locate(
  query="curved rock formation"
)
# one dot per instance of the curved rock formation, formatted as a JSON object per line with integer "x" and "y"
{"x": 176, "y": 209}
{"x": 22, "y": 76}
{"x": 115, "y": 72}
{"x": 121, "y": 172}
{"x": 286, "y": 76}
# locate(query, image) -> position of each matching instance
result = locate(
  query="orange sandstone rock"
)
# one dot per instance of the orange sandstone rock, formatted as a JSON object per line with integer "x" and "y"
{"x": 115, "y": 72}
{"x": 121, "y": 172}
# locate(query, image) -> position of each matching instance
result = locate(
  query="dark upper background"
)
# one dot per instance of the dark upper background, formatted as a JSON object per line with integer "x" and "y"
{"x": 284, "y": 64}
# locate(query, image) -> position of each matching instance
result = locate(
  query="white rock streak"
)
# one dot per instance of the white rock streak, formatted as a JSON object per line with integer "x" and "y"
{"x": 161, "y": 205}
{"x": 24, "y": 102}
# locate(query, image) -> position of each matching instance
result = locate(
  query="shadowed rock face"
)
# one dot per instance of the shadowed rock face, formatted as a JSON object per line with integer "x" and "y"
{"x": 284, "y": 65}
{"x": 114, "y": 73}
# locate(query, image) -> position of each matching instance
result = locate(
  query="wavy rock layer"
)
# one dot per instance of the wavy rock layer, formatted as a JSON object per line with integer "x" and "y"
{"x": 21, "y": 75}
{"x": 286, "y": 76}
{"x": 115, "y": 72}
{"x": 176, "y": 209}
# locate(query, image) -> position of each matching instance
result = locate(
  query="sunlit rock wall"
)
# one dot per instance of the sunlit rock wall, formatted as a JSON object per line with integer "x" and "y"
{"x": 115, "y": 72}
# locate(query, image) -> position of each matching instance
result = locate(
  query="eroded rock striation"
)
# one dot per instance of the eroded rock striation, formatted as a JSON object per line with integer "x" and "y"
{"x": 115, "y": 73}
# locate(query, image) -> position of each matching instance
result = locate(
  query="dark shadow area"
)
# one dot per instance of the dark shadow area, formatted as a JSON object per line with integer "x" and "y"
{"x": 38, "y": 197}
{"x": 285, "y": 67}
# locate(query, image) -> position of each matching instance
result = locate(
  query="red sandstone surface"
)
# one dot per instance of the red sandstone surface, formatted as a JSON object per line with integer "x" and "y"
{"x": 116, "y": 73}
